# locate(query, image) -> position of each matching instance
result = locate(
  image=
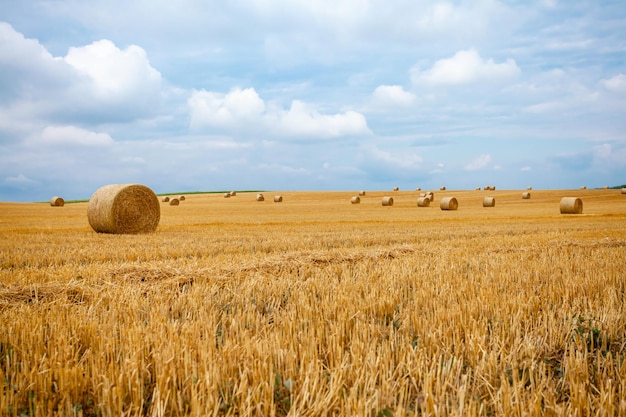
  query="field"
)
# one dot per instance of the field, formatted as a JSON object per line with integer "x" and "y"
{"x": 318, "y": 307}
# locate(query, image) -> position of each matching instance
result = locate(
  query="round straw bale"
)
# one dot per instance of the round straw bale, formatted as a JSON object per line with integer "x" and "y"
{"x": 174, "y": 202}
{"x": 571, "y": 205}
{"x": 418, "y": 189}
{"x": 430, "y": 196}
{"x": 583, "y": 187}
{"x": 278, "y": 199}
{"x": 226, "y": 195}
{"x": 260, "y": 197}
{"x": 489, "y": 202}
{"x": 165, "y": 199}
{"x": 124, "y": 208}
{"x": 396, "y": 189}
{"x": 448, "y": 203}
{"x": 606, "y": 187}
{"x": 526, "y": 195}
{"x": 529, "y": 188}
{"x": 181, "y": 198}
{"x": 423, "y": 202}
{"x": 387, "y": 201}
{"x": 57, "y": 201}
{"x": 623, "y": 190}
{"x": 442, "y": 188}
{"x": 361, "y": 193}
{"x": 233, "y": 193}
{"x": 477, "y": 188}
{"x": 355, "y": 199}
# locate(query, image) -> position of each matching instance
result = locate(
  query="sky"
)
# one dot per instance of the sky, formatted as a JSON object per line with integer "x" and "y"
{"x": 210, "y": 95}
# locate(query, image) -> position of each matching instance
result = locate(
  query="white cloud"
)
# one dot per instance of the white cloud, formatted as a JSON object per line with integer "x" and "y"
{"x": 465, "y": 67}
{"x": 244, "y": 110}
{"x": 616, "y": 84}
{"x": 525, "y": 169}
{"x": 478, "y": 162}
{"x": 393, "y": 96}
{"x": 19, "y": 181}
{"x": 72, "y": 135}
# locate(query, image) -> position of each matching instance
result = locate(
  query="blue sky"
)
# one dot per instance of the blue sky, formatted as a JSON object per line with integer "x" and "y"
{"x": 310, "y": 95}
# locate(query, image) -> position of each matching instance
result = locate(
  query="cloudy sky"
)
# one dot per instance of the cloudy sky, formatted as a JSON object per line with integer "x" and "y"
{"x": 310, "y": 95}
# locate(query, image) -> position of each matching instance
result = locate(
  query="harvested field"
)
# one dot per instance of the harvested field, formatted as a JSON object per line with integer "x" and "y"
{"x": 317, "y": 307}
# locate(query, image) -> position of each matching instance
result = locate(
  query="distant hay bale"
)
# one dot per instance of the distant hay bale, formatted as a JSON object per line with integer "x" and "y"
{"x": 361, "y": 193}
{"x": 489, "y": 188}
{"x": 226, "y": 195}
{"x": 260, "y": 197}
{"x": 181, "y": 198}
{"x": 124, "y": 208}
{"x": 623, "y": 190}
{"x": 526, "y": 195}
{"x": 571, "y": 205}
{"x": 489, "y": 202}
{"x": 418, "y": 189}
{"x": 165, "y": 199}
{"x": 174, "y": 202}
{"x": 477, "y": 188}
{"x": 57, "y": 201}
{"x": 355, "y": 200}
{"x": 387, "y": 201}
{"x": 529, "y": 188}
{"x": 448, "y": 203}
{"x": 583, "y": 187}
{"x": 396, "y": 189}
{"x": 422, "y": 194}
{"x": 423, "y": 202}
{"x": 233, "y": 193}
{"x": 606, "y": 187}
{"x": 442, "y": 188}
{"x": 278, "y": 199}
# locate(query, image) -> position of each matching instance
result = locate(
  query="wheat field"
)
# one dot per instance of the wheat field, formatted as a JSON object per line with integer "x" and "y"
{"x": 318, "y": 307}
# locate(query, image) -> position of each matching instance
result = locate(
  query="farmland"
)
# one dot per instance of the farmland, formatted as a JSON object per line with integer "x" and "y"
{"x": 315, "y": 306}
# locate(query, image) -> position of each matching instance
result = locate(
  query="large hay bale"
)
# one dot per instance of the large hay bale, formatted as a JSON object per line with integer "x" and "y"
{"x": 526, "y": 195}
{"x": 489, "y": 202}
{"x": 423, "y": 202}
{"x": 430, "y": 196}
{"x": 623, "y": 190}
{"x": 124, "y": 208}
{"x": 361, "y": 193}
{"x": 278, "y": 199}
{"x": 174, "y": 202}
{"x": 571, "y": 205}
{"x": 387, "y": 201}
{"x": 165, "y": 199}
{"x": 57, "y": 201}
{"x": 448, "y": 203}
{"x": 355, "y": 199}
{"x": 260, "y": 197}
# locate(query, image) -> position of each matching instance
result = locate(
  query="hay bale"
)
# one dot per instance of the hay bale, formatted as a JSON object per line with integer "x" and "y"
{"x": 529, "y": 188}
{"x": 396, "y": 189}
{"x": 430, "y": 196}
{"x": 355, "y": 199}
{"x": 526, "y": 195}
{"x": 448, "y": 203}
{"x": 571, "y": 205}
{"x": 57, "y": 201}
{"x": 226, "y": 195}
{"x": 418, "y": 189}
{"x": 423, "y": 202}
{"x": 260, "y": 197}
{"x": 623, "y": 190}
{"x": 174, "y": 202}
{"x": 124, "y": 208}
{"x": 606, "y": 187}
{"x": 181, "y": 198}
{"x": 387, "y": 201}
{"x": 583, "y": 187}
{"x": 361, "y": 193}
{"x": 489, "y": 202}
{"x": 233, "y": 193}
{"x": 278, "y": 199}
{"x": 477, "y": 188}
{"x": 442, "y": 188}
{"x": 165, "y": 199}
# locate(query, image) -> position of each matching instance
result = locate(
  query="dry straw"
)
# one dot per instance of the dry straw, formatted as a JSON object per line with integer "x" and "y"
{"x": 260, "y": 197}
{"x": 174, "y": 202}
{"x": 448, "y": 203}
{"x": 278, "y": 199}
{"x": 165, "y": 199}
{"x": 124, "y": 208}
{"x": 489, "y": 202}
{"x": 571, "y": 205}
{"x": 355, "y": 199}
{"x": 423, "y": 202}
{"x": 57, "y": 201}
{"x": 526, "y": 195}
{"x": 387, "y": 201}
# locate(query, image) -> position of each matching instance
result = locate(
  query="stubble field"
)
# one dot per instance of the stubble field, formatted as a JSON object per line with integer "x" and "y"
{"x": 315, "y": 306}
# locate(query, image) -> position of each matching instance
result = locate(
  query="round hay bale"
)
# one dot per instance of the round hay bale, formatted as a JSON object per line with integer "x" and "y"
{"x": 418, "y": 189}
{"x": 387, "y": 201}
{"x": 529, "y": 188}
{"x": 174, "y": 202}
{"x": 526, "y": 195}
{"x": 606, "y": 187}
{"x": 571, "y": 205}
{"x": 477, "y": 188}
{"x": 233, "y": 193}
{"x": 423, "y": 202}
{"x": 57, "y": 201}
{"x": 623, "y": 190}
{"x": 181, "y": 198}
{"x": 448, "y": 203}
{"x": 396, "y": 189}
{"x": 430, "y": 196}
{"x": 226, "y": 195}
{"x": 489, "y": 202}
{"x": 260, "y": 197}
{"x": 361, "y": 193}
{"x": 165, "y": 199}
{"x": 278, "y": 199}
{"x": 355, "y": 199}
{"x": 442, "y": 188}
{"x": 583, "y": 187}
{"x": 124, "y": 208}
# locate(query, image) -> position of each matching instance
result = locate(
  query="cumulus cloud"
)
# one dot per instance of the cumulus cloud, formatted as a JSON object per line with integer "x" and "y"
{"x": 478, "y": 163}
{"x": 19, "y": 181}
{"x": 616, "y": 84}
{"x": 72, "y": 135}
{"x": 243, "y": 109}
{"x": 465, "y": 67}
{"x": 393, "y": 96}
